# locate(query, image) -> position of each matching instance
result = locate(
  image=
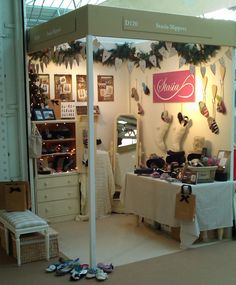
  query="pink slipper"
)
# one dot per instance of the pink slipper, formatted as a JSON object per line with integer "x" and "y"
{"x": 203, "y": 109}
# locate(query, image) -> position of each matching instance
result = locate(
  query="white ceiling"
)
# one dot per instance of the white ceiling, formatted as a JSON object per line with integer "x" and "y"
{"x": 39, "y": 11}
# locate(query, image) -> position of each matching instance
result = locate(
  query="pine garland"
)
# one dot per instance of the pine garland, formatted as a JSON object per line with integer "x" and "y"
{"x": 195, "y": 54}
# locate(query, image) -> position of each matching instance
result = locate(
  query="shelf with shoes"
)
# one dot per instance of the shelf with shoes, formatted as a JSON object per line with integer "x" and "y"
{"x": 58, "y": 146}
{"x": 57, "y": 180}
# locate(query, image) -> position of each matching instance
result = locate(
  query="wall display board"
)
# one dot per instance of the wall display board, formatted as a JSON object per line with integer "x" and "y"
{"x": 105, "y": 88}
{"x": 63, "y": 87}
{"x": 44, "y": 80}
{"x": 81, "y": 87}
{"x": 177, "y": 36}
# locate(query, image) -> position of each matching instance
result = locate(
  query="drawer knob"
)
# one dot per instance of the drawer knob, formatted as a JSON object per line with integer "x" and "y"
{"x": 69, "y": 193}
{"x": 68, "y": 181}
{"x": 46, "y": 196}
{"x": 45, "y": 184}
{"x": 69, "y": 207}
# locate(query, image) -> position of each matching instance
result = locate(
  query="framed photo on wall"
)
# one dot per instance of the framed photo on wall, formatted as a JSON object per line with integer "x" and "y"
{"x": 81, "y": 88}
{"x": 44, "y": 81}
{"x": 63, "y": 87}
{"x": 105, "y": 88}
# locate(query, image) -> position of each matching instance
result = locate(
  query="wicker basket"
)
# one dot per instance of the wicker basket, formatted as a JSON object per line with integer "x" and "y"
{"x": 2, "y": 237}
{"x": 33, "y": 246}
{"x": 204, "y": 174}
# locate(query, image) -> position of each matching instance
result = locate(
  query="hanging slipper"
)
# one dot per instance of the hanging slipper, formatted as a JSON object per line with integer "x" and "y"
{"x": 220, "y": 105}
{"x": 140, "y": 109}
{"x": 213, "y": 125}
{"x": 165, "y": 117}
{"x": 203, "y": 109}
{"x": 180, "y": 117}
{"x": 146, "y": 90}
{"x": 183, "y": 120}
{"x": 134, "y": 94}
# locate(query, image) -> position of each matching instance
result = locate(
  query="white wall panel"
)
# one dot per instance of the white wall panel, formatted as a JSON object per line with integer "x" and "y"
{"x": 13, "y": 138}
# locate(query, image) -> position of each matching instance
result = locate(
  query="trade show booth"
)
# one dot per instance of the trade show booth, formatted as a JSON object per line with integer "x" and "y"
{"x": 126, "y": 87}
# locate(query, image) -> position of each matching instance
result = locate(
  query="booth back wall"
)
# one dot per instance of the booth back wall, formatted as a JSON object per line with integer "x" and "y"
{"x": 108, "y": 109}
{"x": 152, "y": 122}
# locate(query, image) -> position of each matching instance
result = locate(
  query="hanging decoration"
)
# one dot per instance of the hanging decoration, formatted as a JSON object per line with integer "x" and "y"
{"x": 193, "y": 54}
{"x": 213, "y": 68}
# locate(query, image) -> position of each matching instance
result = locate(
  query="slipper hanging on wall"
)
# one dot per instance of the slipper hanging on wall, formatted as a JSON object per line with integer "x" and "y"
{"x": 220, "y": 104}
{"x": 202, "y": 104}
{"x": 146, "y": 90}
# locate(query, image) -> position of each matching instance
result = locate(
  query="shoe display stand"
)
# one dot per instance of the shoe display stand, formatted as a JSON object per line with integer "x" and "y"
{"x": 57, "y": 180}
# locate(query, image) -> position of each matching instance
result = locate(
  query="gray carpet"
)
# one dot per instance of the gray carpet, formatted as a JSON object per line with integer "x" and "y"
{"x": 208, "y": 265}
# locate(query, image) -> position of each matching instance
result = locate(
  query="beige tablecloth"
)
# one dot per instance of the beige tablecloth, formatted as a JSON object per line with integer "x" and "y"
{"x": 105, "y": 186}
{"x": 155, "y": 199}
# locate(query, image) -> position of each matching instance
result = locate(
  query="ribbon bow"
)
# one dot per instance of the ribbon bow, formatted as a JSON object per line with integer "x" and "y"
{"x": 12, "y": 189}
{"x": 55, "y": 102}
{"x": 184, "y": 198}
{"x": 186, "y": 191}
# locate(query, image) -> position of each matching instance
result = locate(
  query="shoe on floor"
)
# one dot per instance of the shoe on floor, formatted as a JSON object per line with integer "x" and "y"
{"x": 108, "y": 268}
{"x": 91, "y": 273}
{"x": 101, "y": 275}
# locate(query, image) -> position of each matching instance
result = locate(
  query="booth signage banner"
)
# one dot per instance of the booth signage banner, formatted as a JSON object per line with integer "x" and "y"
{"x": 177, "y": 86}
{"x": 163, "y": 25}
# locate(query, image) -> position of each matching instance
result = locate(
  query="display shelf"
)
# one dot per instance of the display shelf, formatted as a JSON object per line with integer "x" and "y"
{"x": 58, "y": 146}
{"x": 57, "y": 154}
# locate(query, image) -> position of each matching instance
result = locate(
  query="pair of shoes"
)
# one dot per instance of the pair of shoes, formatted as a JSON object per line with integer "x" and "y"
{"x": 66, "y": 267}
{"x": 79, "y": 272}
{"x": 108, "y": 268}
{"x": 53, "y": 267}
{"x": 101, "y": 275}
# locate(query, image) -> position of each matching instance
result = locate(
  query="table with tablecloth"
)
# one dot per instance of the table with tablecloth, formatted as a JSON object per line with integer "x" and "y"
{"x": 154, "y": 199}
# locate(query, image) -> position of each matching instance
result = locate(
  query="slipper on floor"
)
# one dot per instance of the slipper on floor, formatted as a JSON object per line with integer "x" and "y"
{"x": 101, "y": 275}
{"x": 91, "y": 273}
{"x": 53, "y": 267}
{"x": 67, "y": 267}
{"x": 79, "y": 272}
{"x": 108, "y": 268}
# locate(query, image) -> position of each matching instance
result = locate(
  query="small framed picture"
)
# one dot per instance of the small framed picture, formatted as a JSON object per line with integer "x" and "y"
{"x": 48, "y": 114}
{"x": 37, "y": 115}
{"x": 105, "y": 88}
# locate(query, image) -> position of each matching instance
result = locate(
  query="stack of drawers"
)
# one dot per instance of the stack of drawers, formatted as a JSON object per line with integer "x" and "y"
{"x": 57, "y": 196}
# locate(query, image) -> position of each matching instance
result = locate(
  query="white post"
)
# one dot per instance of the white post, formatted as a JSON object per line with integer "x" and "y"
{"x": 91, "y": 155}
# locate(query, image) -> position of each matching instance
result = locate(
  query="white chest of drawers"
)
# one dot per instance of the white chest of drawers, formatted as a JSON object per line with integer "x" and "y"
{"x": 57, "y": 196}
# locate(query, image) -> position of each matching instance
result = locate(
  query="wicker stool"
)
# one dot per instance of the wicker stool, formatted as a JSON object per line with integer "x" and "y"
{"x": 23, "y": 223}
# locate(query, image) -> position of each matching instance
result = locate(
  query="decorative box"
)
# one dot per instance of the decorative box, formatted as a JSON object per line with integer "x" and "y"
{"x": 204, "y": 174}
{"x": 33, "y": 246}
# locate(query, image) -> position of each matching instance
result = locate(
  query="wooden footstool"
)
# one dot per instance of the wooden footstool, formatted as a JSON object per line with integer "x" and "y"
{"x": 23, "y": 223}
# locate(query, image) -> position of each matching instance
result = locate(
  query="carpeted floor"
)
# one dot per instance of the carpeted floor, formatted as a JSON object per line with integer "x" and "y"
{"x": 208, "y": 265}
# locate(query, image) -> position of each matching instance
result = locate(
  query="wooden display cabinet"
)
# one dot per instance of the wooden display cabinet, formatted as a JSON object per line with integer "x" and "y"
{"x": 59, "y": 146}
{"x": 57, "y": 180}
